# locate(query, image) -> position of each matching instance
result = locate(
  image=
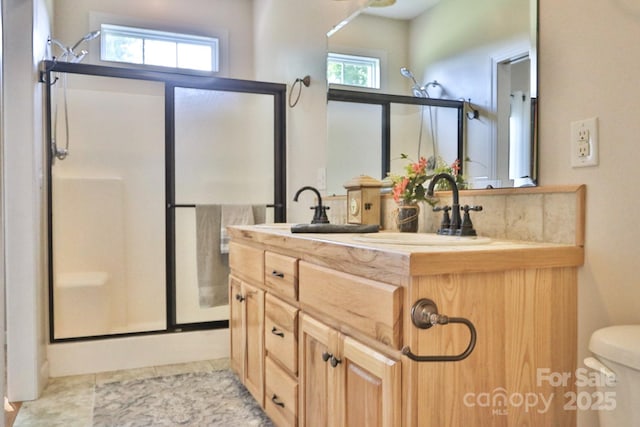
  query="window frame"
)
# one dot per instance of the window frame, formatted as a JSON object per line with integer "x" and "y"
{"x": 145, "y": 34}
{"x": 373, "y": 63}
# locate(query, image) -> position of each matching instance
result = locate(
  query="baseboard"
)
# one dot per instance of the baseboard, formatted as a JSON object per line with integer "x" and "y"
{"x": 114, "y": 354}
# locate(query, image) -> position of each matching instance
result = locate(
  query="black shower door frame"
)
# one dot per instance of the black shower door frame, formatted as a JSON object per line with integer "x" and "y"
{"x": 171, "y": 81}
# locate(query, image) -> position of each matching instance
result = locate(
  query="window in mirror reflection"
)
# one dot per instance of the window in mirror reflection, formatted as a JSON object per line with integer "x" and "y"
{"x": 352, "y": 70}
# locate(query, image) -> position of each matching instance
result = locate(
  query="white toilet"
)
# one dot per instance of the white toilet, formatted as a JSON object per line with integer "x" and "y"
{"x": 617, "y": 349}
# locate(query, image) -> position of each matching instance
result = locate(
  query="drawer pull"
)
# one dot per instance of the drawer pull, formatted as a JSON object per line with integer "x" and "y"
{"x": 424, "y": 315}
{"x": 275, "y": 400}
{"x": 275, "y": 273}
{"x": 277, "y": 332}
{"x": 239, "y": 297}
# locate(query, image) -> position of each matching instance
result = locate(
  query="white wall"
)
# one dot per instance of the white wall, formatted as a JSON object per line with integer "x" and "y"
{"x": 589, "y": 66}
{"x": 25, "y": 31}
{"x": 290, "y": 43}
{"x": 3, "y": 352}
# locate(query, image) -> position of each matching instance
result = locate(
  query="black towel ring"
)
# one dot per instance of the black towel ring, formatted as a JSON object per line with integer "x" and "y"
{"x": 306, "y": 81}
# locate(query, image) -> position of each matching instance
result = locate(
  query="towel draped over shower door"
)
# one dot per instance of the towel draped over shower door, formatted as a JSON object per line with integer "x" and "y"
{"x": 212, "y": 247}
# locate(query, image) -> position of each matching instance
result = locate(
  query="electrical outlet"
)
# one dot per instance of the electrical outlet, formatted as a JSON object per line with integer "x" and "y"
{"x": 584, "y": 142}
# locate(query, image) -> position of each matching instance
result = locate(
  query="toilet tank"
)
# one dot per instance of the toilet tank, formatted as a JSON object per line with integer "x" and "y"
{"x": 618, "y": 349}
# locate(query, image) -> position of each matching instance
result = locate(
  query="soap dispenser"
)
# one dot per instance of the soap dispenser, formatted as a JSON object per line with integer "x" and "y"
{"x": 363, "y": 200}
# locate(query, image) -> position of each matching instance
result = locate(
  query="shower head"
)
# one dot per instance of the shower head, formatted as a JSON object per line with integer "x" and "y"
{"x": 421, "y": 91}
{"x": 418, "y": 91}
{"x": 68, "y": 53}
{"x": 408, "y": 74}
{"x": 87, "y": 37}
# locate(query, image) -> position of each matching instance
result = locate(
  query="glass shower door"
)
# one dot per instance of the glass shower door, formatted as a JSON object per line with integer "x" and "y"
{"x": 107, "y": 207}
{"x": 224, "y": 173}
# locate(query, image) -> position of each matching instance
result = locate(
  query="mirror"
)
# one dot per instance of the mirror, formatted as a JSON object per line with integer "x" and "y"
{"x": 483, "y": 53}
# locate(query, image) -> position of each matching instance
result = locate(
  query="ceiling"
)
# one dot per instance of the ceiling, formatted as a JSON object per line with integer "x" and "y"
{"x": 402, "y": 9}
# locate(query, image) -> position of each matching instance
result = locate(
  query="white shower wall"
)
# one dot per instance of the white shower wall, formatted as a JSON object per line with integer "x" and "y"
{"x": 87, "y": 257}
{"x": 108, "y": 194}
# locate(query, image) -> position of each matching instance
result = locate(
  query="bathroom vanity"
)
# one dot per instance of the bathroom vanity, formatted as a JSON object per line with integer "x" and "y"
{"x": 322, "y": 327}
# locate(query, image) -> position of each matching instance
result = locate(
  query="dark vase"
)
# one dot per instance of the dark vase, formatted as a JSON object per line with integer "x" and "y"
{"x": 407, "y": 218}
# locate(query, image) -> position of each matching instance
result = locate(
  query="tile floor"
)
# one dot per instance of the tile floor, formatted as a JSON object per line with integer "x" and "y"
{"x": 68, "y": 401}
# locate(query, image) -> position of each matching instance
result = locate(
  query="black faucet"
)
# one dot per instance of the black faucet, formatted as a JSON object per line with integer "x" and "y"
{"x": 455, "y": 227}
{"x": 320, "y": 215}
{"x": 454, "y": 224}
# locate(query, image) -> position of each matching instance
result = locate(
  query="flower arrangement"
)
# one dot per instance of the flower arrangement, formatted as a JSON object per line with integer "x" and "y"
{"x": 409, "y": 188}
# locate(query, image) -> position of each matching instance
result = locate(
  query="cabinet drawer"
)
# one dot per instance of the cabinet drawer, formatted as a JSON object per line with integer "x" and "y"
{"x": 373, "y": 308}
{"x": 281, "y": 275}
{"x": 281, "y": 395}
{"x": 281, "y": 332}
{"x": 246, "y": 262}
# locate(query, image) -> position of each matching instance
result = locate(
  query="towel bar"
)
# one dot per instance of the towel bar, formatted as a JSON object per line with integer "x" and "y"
{"x": 424, "y": 315}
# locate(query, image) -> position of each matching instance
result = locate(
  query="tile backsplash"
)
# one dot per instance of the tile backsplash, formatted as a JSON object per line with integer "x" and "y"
{"x": 553, "y": 214}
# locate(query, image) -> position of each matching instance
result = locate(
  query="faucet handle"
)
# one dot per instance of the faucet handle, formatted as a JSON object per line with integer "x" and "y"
{"x": 466, "y": 228}
{"x": 442, "y": 208}
{"x": 445, "y": 225}
{"x": 467, "y": 208}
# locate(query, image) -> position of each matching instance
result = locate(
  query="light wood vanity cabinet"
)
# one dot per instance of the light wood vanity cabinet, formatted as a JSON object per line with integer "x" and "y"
{"x": 246, "y": 317}
{"x": 345, "y": 383}
{"x": 247, "y": 335}
{"x": 350, "y": 308}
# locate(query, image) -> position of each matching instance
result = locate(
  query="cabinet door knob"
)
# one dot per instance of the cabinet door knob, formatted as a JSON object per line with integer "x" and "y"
{"x": 275, "y": 273}
{"x": 335, "y": 361}
{"x": 326, "y": 356}
{"x": 277, "y": 332}
{"x": 239, "y": 297}
{"x": 275, "y": 400}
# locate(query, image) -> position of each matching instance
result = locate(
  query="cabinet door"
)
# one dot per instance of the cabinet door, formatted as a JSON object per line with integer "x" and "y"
{"x": 254, "y": 343}
{"x": 318, "y": 381}
{"x": 371, "y": 394}
{"x": 236, "y": 326}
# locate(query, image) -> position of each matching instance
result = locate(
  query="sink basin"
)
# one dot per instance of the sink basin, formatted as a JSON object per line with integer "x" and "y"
{"x": 421, "y": 239}
{"x": 276, "y": 226}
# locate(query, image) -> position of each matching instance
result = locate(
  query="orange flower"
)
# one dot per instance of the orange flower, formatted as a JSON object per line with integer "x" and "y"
{"x": 400, "y": 188}
{"x": 420, "y": 166}
{"x": 455, "y": 167}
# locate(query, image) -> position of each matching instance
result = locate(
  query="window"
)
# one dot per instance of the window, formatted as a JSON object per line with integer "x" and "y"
{"x": 159, "y": 48}
{"x": 353, "y": 70}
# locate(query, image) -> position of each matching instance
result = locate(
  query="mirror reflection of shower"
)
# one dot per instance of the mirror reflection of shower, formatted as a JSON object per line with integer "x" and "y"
{"x": 68, "y": 54}
{"x": 423, "y": 92}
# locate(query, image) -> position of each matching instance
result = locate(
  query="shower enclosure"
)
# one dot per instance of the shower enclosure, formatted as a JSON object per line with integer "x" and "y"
{"x": 144, "y": 150}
